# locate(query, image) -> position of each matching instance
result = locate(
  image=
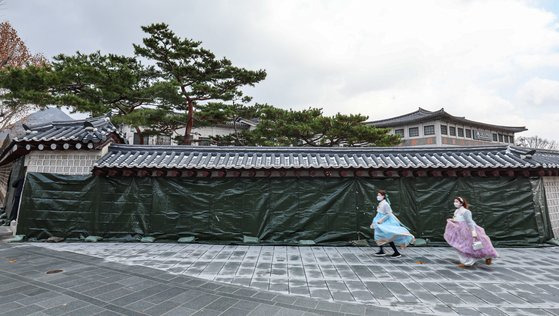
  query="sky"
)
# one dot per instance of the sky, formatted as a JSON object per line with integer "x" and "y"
{"x": 490, "y": 61}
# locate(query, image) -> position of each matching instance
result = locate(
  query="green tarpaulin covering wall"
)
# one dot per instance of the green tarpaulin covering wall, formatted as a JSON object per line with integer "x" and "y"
{"x": 275, "y": 210}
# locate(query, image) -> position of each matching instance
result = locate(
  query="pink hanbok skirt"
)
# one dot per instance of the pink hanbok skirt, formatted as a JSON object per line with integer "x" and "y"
{"x": 459, "y": 236}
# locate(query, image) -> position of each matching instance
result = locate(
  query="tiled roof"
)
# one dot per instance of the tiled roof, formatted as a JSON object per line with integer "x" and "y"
{"x": 75, "y": 134}
{"x": 224, "y": 158}
{"x": 422, "y": 115}
{"x": 89, "y": 130}
{"x": 41, "y": 117}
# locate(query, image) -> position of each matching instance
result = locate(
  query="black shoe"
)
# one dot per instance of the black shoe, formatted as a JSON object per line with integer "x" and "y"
{"x": 396, "y": 255}
{"x": 380, "y": 254}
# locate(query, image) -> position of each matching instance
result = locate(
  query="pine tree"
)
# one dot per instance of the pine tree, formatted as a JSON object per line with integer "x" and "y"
{"x": 195, "y": 72}
{"x": 309, "y": 127}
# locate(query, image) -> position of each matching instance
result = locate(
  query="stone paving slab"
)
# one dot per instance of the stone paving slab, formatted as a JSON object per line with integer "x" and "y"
{"x": 424, "y": 281}
{"x": 89, "y": 285}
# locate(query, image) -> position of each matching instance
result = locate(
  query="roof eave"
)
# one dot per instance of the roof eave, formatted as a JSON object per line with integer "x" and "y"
{"x": 443, "y": 115}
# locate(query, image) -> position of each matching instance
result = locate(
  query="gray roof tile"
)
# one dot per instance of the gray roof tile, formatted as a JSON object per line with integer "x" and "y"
{"x": 93, "y": 130}
{"x": 89, "y": 130}
{"x": 187, "y": 157}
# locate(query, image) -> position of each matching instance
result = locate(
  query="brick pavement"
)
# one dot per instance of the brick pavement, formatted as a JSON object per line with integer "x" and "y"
{"x": 335, "y": 279}
{"x": 91, "y": 285}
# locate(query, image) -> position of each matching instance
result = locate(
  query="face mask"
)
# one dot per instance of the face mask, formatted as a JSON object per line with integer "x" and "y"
{"x": 457, "y": 205}
{"x": 380, "y": 198}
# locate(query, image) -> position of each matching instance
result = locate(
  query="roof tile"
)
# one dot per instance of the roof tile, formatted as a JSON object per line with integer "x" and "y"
{"x": 194, "y": 157}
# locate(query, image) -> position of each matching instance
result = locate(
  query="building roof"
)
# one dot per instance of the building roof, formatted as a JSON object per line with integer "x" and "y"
{"x": 89, "y": 130}
{"x": 37, "y": 118}
{"x": 422, "y": 115}
{"x": 262, "y": 158}
{"x": 90, "y": 133}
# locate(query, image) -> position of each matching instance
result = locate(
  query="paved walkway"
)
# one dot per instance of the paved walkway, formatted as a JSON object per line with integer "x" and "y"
{"x": 425, "y": 281}
{"x": 84, "y": 285}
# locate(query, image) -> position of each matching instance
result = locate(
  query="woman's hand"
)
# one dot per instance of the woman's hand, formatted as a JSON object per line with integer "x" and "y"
{"x": 380, "y": 222}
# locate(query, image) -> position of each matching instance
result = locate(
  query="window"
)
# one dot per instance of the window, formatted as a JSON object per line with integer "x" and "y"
{"x": 494, "y": 137}
{"x": 468, "y": 133}
{"x": 163, "y": 140}
{"x": 444, "y": 129}
{"x": 137, "y": 139}
{"x": 429, "y": 130}
{"x": 501, "y": 138}
{"x": 452, "y": 131}
{"x": 511, "y": 139}
{"x": 399, "y": 132}
{"x": 414, "y": 131}
{"x": 460, "y": 132}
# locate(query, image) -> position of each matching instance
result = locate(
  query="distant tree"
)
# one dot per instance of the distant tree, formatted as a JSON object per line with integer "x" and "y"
{"x": 537, "y": 143}
{"x": 92, "y": 83}
{"x": 195, "y": 72}
{"x": 279, "y": 127}
{"x": 156, "y": 99}
{"x": 14, "y": 54}
{"x": 13, "y": 51}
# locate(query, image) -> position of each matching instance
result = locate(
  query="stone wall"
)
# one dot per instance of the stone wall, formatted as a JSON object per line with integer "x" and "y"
{"x": 69, "y": 162}
{"x": 4, "y": 178}
{"x": 551, "y": 185}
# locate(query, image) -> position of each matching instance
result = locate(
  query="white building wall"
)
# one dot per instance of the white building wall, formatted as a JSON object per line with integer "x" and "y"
{"x": 69, "y": 162}
{"x": 439, "y": 136}
{"x": 421, "y": 128}
{"x": 207, "y": 131}
{"x": 197, "y": 133}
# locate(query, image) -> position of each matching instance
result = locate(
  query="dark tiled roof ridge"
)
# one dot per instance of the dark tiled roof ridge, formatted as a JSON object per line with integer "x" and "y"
{"x": 464, "y": 119}
{"x": 127, "y": 147}
{"x": 100, "y": 120}
{"x": 261, "y": 158}
{"x": 214, "y": 150}
{"x": 420, "y": 110}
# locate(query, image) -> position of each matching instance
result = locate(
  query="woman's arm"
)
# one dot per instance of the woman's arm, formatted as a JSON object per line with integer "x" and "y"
{"x": 452, "y": 219}
{"x": 470, "y": 222}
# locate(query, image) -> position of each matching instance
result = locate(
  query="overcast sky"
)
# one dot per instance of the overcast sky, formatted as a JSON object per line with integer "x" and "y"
{"x": 492, "y": 61}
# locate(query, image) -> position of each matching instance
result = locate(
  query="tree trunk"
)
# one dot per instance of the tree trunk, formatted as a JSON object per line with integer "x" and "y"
{"x": 140, "y": 137}
{"x": 190, "y": 119}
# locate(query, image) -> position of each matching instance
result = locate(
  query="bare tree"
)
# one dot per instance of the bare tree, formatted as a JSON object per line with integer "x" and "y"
{"x": 537, "y": 143}
{"x": 13, "y": 51}
{"x": 14, "y": 54}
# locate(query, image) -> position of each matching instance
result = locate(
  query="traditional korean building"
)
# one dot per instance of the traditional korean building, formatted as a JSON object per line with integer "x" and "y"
{"x": 60, "y": 147}
{"x": 294, "y": 195}
{"x": 439, "y": 128}
{"x": 16, "y": 130}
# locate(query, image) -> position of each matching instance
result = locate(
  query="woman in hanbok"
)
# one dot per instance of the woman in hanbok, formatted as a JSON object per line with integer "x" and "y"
{"x": 388, "y": 229}
{"x": 469, "y": 240}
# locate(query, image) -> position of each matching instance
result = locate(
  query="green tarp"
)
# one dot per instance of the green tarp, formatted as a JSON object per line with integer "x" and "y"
{"x": 274, "y": 210}
{"x": 12, "y": 198}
